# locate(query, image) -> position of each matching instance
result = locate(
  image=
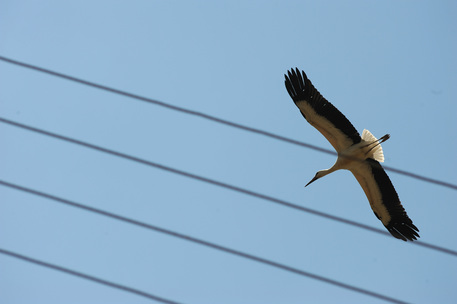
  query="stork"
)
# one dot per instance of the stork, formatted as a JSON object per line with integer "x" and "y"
{"x": 360, "y": 155}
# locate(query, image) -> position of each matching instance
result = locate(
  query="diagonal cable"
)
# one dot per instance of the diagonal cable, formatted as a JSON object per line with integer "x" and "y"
{"x": 86, "y": 276}
{"x": 204, "y": 243}
{"x": 215, "y": 119}
{"x": 221, "y": 184}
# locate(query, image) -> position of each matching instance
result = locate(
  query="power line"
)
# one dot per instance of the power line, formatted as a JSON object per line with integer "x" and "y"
{"x": 86, "y": 277}
{"x": 204, "y": 243}
{"x": 221, "y": 184}
{"x": 215, "y": 119}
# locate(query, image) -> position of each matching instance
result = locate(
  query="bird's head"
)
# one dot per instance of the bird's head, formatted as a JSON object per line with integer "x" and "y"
{"x": 318, "y": 175}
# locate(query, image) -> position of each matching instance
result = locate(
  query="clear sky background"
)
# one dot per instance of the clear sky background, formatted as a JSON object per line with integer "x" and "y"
{"x": 389, "y": 66}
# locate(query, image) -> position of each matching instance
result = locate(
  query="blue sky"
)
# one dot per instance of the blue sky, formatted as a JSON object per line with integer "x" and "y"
{"x": 389, "y": 66}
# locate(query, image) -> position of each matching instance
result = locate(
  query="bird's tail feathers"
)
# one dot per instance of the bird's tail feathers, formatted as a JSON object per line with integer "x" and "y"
{"x": 375, "y": 144}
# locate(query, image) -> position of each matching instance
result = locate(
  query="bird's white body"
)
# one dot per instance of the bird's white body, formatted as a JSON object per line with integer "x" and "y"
{"x": 352, "y": 159}
{"x": 359, "y": 154}
{"x": 352, "y": 156}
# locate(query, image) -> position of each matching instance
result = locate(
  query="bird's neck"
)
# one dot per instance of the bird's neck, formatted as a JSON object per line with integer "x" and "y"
{"x": 328, "y": 171}
{"x": 339, "y": 164}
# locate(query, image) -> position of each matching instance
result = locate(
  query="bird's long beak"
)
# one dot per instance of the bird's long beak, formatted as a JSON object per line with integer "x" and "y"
{"x": 315, "y": 178}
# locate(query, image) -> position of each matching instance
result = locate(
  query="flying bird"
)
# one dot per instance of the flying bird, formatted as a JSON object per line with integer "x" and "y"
{"x": 360, "y": 155}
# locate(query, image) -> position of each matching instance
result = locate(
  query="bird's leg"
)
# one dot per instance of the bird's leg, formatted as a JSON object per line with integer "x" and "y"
{"x": 378, "y": 142}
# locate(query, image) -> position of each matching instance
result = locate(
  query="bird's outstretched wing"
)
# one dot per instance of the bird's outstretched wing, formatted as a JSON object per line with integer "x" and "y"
{"x": 384, "y": 199}
{"x": 320, "y": 113}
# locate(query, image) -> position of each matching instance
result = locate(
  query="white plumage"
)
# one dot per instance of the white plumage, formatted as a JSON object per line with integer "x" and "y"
{"x": 360, "y": 155}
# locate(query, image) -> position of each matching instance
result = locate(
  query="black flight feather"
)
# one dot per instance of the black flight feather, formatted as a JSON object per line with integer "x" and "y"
{"x": 300, "y": 88}
{"x": 400, "y": 225}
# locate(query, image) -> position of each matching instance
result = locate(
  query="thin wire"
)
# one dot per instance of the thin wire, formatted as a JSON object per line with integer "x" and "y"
{"x": 86, "y": 277}
{"x": 221, "y": 184}
{"x": 204, "y": 243}
{"x": 216, "y": 119}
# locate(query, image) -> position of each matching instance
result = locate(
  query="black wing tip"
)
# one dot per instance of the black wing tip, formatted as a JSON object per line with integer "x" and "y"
{"x": 297, "y": 84}
{"x": 403, "y": 231}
